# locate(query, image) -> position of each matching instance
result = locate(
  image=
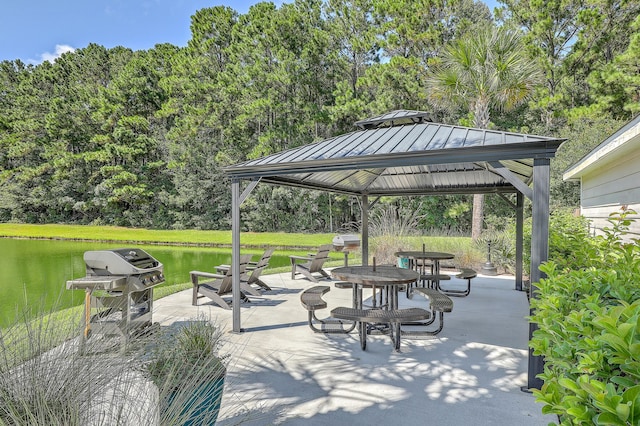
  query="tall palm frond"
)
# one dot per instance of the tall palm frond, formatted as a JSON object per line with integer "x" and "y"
{"x": 487, "y": 69}
{"x": 482, "y": 71}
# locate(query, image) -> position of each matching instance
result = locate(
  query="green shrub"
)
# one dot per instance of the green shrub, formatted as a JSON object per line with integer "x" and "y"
{"x": 588, "y": 314}
{"x": 503, "y": 248}
{"x": 567, "y": 235}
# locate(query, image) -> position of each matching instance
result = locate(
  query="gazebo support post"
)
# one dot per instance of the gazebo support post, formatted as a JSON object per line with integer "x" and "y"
{"x": 519, "y": 239}
{"x": 235, "y": 253}
{"x": 539, "y": 252}
{"x": 365, "y": 230}
{"x": 236, "y": 201}
{"x": 518, "y": 207}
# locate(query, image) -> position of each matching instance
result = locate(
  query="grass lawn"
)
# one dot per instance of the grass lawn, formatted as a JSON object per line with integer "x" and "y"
{"x": 165, "y": 237}
{"x": 288, "y": 242}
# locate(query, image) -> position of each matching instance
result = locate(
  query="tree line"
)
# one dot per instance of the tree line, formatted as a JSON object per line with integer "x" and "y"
{"x": 139, "y": 138}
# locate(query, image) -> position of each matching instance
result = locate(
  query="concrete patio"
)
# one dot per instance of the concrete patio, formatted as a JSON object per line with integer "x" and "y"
{"x": 281, "y": 372}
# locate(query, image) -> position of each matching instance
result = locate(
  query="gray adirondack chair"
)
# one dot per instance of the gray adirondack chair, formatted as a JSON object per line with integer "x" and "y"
{"x": 309, "y": 265}
{"x": 219, "y": 285}
{"x": 255, "y": 270}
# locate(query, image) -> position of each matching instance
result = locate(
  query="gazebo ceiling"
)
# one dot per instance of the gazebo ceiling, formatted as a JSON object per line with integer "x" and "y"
{"x": 403, "y": 153}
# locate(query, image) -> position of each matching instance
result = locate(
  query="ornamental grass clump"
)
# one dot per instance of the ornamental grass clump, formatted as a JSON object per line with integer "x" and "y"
{"x": 188, "y": 371}
{"x": 396, "y": 229}
{"x": 588, "y": 318}
{"x": 46, "y": 379}
{"x": 390, "y": 227}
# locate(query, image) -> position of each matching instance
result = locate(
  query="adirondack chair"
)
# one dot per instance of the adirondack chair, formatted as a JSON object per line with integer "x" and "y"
{"x": 220, "y": 285}
{"x": 255, "y": 270}
{"x": 312, "y": 264}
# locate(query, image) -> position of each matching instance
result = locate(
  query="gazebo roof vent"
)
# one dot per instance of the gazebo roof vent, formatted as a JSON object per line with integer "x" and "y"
{"x": 394, "y": 118}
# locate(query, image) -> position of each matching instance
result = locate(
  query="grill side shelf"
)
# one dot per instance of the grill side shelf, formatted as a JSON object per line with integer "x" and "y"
{"x": 97, "y": 282}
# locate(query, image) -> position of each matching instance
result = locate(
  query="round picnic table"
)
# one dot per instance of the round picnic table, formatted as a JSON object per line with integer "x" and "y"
{"x": 380, "y": 276}
{"x": 388, "y": 277}
{"x": 434, "y": 256}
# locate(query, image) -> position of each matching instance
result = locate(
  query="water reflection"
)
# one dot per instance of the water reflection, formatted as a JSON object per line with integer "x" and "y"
{"x": 33, "y": 273}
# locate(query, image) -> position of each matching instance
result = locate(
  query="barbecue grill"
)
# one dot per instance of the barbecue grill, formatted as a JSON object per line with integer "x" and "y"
{"x": 118, "y": 291}
{"x": 346, "y": 243}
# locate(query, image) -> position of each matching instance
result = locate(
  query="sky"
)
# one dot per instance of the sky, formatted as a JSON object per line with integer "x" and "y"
{"x": 38, "y": 30}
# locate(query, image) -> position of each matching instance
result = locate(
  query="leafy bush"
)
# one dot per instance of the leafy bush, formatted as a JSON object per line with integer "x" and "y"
{"x": 567, "y": 235}
{"x": 503, "y": 248}
{"x": 588, "y": 315}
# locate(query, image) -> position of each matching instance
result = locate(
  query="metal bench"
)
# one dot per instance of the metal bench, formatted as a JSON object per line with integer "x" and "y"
{"x": 375, "y": 302}
{"x": 311, "y": 298}
{"x": 312, "y": 301}
{"x": 428, "y": 280}
{"x": 438, "y": 302}
{"x": 343, "y": 284}
{"x": 348, "y": 285}
{"x": 393, "y": 317}
{"x": 465, "y": 274}
{"x": 435, "y": 278}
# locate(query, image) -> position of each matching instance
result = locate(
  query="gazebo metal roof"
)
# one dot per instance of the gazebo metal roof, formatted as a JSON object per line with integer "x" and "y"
{"x": 402, "y": 153}
{"x": 405, "y": 153}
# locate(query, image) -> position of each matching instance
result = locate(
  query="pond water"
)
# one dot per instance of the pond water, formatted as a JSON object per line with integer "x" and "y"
{"x": 33, "y": 273}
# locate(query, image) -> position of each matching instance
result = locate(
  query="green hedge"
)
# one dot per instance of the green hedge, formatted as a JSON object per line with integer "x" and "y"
{"x": 588, "y": 316}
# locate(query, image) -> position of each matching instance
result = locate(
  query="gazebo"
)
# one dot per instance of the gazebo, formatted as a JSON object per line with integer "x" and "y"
{"x": 405, "y": 153}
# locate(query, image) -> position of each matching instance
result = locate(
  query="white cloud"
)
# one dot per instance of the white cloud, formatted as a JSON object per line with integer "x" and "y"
{"x": 60, "y": 49}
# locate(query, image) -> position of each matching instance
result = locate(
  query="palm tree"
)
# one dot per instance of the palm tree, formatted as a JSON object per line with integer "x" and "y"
{"x": 483, "y": 71}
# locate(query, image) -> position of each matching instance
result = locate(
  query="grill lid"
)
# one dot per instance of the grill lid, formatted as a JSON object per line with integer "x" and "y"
{"x": 347, "y": 241}
{"x": 125, "y": 261}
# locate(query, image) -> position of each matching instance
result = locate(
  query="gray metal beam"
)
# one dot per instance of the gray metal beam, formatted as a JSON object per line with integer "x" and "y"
{"x": 535, "y": 150}
{"x": 235, "y": 254}
{"x": 463, "y": 189}
{"x": 248, "y": 190}
{"x": 374, "y": 202}
{"x": 519, "y": 240}
{"x": 499, "y": 168}
{"x": 506, "y": 200}
{"x": 540, "y": 218}
{"x": 365, "y": 230}
{"x": 539, "y": 252}
{"x": 519, "y": 209}
{"x": 236, "y": 200}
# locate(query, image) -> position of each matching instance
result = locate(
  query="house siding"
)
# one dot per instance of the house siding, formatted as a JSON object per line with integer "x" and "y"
{"x": 598, "y": 216}
{"x": 609, "y": 187}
